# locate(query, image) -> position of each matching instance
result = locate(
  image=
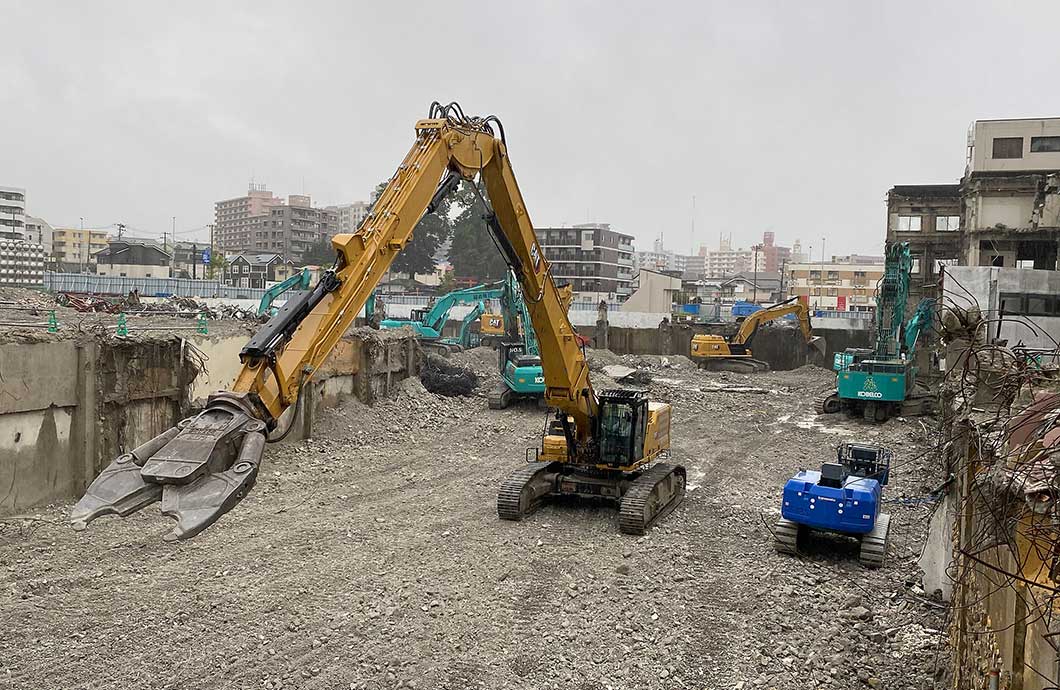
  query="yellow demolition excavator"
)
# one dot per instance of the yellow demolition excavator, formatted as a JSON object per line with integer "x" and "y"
{"x": 716, "y": 353}
{"x": 600, "y": 445}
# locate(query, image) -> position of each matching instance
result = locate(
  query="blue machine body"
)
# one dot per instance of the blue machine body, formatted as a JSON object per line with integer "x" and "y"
{"x": 851, "y": 508}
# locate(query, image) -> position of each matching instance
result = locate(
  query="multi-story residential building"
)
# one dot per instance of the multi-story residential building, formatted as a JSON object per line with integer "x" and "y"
{"x": 696, "y": 266}
{"x": 261, "y": 222}
{"x": 774, "y": 257}
{"x": 74, "y": 248}
{"x": 835, "y": 286}
{"x": 596, "y": 260}
{"x": 236, "y": 220}
{"x": 12, "y": 213}
{"x": 38, "y": 231}
{"x": 291, "y": 230}
{"x": 659, "y": 259}
{"x": 348, "y": 217}
{"x": 726, "y": 261}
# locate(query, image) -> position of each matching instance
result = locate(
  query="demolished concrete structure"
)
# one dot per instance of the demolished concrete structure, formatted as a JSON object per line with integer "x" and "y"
{"x": 992, "y": 547}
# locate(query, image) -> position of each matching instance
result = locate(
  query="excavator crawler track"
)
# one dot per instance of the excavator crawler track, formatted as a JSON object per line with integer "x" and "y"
{"x": 734, "y": 365}
{"x": 786, "y": 537}
{"x": 829, "y": 403}
{"x": 874, "y": 544}
{"x": 524, "y": 491}
{"x": 499, "y": 397}
{"x": 651, "y": 496}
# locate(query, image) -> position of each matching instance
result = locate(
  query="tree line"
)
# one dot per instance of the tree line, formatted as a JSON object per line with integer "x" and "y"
{"x": 458, "y": 220}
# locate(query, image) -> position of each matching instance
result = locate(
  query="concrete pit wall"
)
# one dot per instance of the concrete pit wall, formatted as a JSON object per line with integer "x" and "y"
{"x": 782, "y": 347}
{"x": 67, "y": 408}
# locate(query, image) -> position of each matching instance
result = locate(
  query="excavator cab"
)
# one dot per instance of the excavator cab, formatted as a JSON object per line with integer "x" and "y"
{"x": 623, "y": 421}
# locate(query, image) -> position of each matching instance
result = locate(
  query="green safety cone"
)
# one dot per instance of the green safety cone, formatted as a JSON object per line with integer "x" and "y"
{"x": 123, "y": 329}
{"x": 202, "y": 324}
{"x": 53, "y": 323}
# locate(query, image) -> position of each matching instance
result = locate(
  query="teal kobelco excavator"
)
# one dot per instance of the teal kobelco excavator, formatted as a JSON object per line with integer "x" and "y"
{"x": 518, "y": 356}
{"x": 517, "y": 352}
{"x": 429, "y": 322}
{"x": 298, "y": 282}
{"x": 880, "y": 382}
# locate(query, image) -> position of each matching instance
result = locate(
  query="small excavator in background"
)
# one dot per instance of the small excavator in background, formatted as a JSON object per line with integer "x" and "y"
{"x": 429, "y": 322}
{"x": 491, "y": 326}
{"x": 716, "y": 353}
{"x": 299, "y": 281}
{"x": 880, "y": 382}
{"x": 518, "y": 356}
{"x": 607, "y": 445}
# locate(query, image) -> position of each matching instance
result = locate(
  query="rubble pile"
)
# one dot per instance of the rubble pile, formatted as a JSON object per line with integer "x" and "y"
{"x": 440, "y": 376}
{"x": 383, "y": 526}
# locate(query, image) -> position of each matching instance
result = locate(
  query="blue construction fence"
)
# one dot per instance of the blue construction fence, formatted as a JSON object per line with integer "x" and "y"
{"x": 87, "y": 283}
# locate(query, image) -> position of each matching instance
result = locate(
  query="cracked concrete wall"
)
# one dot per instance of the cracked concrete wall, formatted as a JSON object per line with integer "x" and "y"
{"x": 68, "y": 408}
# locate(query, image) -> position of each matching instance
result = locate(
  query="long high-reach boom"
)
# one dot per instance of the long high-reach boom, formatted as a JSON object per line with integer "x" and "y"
{"x": 598, "y": 446}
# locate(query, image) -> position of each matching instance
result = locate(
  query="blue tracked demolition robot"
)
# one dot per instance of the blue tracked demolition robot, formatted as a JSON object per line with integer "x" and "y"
{"x": 844, "y": 498}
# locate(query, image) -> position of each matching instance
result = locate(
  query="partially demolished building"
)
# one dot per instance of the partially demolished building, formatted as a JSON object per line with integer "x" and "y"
{"x": 987, "y": 250}
{"x": 1005, "y": 212}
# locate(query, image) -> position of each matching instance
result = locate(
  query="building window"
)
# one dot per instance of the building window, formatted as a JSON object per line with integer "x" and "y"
{"x": 908, "y": 223}
{"x": 1008, "y": 147}
{"x": 915, "y": 270}
{"x": 947, "y": 223}
{"x": 1045, "y": 144}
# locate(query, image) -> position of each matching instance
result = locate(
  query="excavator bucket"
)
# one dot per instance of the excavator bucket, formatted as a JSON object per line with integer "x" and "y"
{"x": 199, "y": 470}
{"x": 818, "y": 347}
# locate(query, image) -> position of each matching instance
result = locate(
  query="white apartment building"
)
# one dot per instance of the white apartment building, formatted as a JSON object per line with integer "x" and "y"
{"x": 350, "y": 215}
{"x": 12, "y": 213}
{"x": 38, "y": 231}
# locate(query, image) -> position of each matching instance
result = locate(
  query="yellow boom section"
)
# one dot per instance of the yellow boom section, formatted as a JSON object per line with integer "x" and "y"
{"x": 365, "y": 256}
{"x": 779, "y": 311}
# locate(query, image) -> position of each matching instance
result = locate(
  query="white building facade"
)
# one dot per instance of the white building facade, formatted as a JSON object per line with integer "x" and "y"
{"x": 12, "y": 213}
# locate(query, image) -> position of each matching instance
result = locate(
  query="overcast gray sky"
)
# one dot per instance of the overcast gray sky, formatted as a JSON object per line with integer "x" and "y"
{"x": 794, "y": 117}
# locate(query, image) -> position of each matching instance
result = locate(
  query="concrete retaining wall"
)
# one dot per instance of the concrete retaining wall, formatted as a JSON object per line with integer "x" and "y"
{"x": 67, "y": 408}
{"x": 782, "y": 347}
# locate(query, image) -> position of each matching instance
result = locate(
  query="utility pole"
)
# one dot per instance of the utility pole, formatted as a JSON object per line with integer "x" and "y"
{"x": 80, "y": 240}
{"x": 754, "y": 299}
{"x": 823, "y": 274}
{"x": 208, "y": 268}
{"x": 692, "y": 251}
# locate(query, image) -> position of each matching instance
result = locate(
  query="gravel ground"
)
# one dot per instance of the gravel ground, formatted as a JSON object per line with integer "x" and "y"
{"x": 371, "y": 557}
